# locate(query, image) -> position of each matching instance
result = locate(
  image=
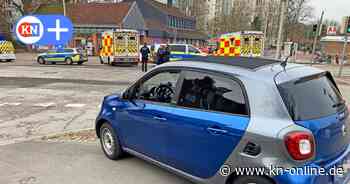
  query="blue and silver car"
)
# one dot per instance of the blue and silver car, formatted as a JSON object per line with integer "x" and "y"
{"x": 67, "y": 56}
{"x": 237, "y": 120}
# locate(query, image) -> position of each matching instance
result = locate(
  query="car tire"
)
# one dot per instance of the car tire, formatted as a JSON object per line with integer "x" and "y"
{"x": 80, "y": 63}
{"x": 110, "y": 143}
{"x": 251, "y": 180}
{"x": 41, "y": 61}
{"x": 69, "y": 61}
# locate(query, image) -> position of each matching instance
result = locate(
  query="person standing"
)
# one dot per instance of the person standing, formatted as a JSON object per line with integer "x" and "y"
{"x": 160, "y": 55}
{"x": 144, "y": 53}
{"x": 167, "y": 54}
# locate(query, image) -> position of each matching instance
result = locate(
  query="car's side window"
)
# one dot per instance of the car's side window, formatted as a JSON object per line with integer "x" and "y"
{"x": 211, "y": 92}
{"x": 159, "y": 88}
{"x": 177, "y": 48}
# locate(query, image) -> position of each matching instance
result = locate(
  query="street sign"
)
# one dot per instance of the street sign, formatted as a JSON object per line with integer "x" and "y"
{"x": 331, "y": 30}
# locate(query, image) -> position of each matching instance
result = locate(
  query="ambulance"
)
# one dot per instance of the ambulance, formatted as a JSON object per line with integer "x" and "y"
{"x": 245, "y": 43}
{"x": 120, "y": 47}
{"x": 7, "y": 51}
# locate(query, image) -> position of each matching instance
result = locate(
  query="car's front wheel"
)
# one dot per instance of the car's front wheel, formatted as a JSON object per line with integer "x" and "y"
{"x": 251, "y": 180}
{"x": 41, "y": 60}
{"x": 69, "y": 61}
{"x": 110, "y": 143}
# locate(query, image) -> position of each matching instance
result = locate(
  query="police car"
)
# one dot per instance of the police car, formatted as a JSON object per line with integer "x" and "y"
{"x": 68, "y": 56}
{"x": 7, "y": 51}
{"x": 180, "y": 51}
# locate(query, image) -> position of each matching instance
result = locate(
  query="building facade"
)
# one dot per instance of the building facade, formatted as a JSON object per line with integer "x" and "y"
{"x": 156, "y": 22}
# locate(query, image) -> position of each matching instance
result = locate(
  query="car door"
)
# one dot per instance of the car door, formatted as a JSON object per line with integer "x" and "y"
{"x": 177, "y": 52}
{"x": 142, "y": 124}
{"x": 50, "y": 56}
{"x": 208, "y": 123}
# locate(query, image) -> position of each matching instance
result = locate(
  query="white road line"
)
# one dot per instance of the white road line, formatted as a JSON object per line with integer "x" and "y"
{"x": 10, "y": 104}
{"x": 75, "y": 105}
{"x": 44, "y": 105}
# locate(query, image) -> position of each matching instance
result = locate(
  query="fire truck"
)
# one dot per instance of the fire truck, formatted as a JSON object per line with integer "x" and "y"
{"x": 120, "y": 47}
{"x": 245, "y": 43}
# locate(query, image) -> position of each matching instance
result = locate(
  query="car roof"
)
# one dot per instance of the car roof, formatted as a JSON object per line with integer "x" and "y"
{"x": 243, "y": 62}
{"x": 266, "y": 70}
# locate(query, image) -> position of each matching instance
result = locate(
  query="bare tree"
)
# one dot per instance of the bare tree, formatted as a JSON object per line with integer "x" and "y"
{"x": 299, "y": 12}
{"x": 200, "y": 10}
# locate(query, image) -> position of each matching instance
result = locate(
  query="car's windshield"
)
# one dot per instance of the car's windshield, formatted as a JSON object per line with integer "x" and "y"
{"x": 311, "y": 98}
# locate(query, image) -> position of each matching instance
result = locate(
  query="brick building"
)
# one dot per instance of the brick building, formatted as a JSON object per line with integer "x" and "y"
{"x": 333, "y": 45}
{"x": 156, "y": 22}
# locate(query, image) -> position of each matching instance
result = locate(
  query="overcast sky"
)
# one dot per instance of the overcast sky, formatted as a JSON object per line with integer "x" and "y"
{"x": 334, "y": 9}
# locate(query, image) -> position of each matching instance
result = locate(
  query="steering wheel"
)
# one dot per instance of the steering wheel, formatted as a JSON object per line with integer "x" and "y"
{"x": 163, "y": 93}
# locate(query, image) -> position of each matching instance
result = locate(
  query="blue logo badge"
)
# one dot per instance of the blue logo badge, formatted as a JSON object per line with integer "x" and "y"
{"x": 44, "y": 29}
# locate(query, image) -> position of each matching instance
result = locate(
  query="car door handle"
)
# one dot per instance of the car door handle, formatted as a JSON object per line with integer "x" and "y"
{"x": 159, "y": 118}
{"x": 216, "y": 130}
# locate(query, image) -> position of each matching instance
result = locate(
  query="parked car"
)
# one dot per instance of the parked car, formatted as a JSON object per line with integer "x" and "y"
{"x": 179, "y": 51}
{"x": 7, "y": 51}
{"x": 68, "y": 56}
{"x": 198, "y": 118}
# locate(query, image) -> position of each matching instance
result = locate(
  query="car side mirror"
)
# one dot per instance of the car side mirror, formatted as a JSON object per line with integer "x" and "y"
{"x": 129, "y": 94}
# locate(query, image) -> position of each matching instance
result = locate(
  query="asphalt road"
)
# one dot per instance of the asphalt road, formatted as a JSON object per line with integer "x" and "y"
{"x": 37, "y": 100}
{"x": 70, "y": 163}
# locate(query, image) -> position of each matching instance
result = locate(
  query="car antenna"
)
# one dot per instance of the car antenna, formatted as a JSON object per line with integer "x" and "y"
{"x": 284, "y": 63}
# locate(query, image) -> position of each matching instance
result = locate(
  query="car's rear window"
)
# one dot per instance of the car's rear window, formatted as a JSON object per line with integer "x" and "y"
{"x": 311, "y": 97}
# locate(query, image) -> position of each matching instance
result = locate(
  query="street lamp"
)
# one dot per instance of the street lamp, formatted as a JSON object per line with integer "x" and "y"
{"x": 64, "y": 7}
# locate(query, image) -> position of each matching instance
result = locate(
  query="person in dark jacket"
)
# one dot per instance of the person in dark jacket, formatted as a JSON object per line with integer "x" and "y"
{"x": 160, "y": 55}
{"x": 144, "y": 53}
{"x": 167, "y": 54}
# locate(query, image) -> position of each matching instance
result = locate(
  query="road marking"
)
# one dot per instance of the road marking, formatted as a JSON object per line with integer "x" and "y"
{"x": 10, "y": 104}
{"x": 44, "y": 104}
{"x": 75, "y": 105}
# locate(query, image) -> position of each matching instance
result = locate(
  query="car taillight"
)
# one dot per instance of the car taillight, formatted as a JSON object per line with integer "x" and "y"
{"x": 300, "y": 145}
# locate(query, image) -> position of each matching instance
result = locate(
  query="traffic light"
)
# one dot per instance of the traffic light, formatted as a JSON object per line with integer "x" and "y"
{"x": 314, "y": 28}
{"x": 348, "y": 26}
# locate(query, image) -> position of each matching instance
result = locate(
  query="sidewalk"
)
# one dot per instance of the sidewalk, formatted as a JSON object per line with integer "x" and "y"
{"x": 72, "y": 163}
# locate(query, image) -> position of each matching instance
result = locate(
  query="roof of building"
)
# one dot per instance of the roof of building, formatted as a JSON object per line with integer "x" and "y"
{"x": 90, "y": 13}
{"x": 242, "y": 62}
{"x": 98, "y": 13}
{"x": 170, "y": 10}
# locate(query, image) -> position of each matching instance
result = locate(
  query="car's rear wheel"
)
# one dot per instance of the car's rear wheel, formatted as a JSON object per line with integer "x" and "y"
{"x": 110, "y": 142}
{"x": 69, "y": 61}
{"x": 41, "y": 61}
{"x": 252, "y": 180}
{"x": 80, "y": 63}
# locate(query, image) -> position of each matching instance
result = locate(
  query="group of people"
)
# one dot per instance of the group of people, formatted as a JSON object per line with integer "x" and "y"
{"x": 163, "y": 55}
